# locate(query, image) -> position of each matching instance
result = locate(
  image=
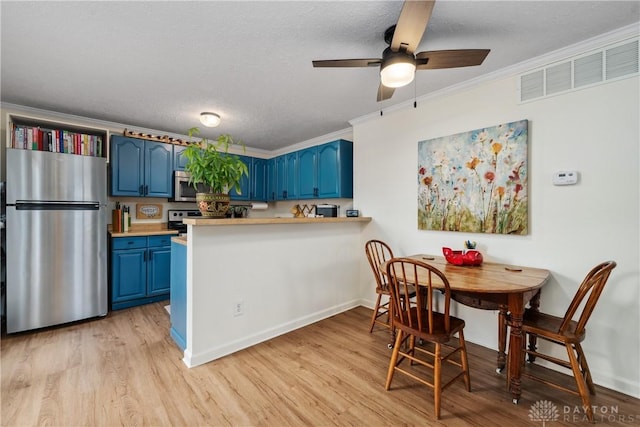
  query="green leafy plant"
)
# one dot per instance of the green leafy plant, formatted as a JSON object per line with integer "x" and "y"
{"x": 209, "y": 163}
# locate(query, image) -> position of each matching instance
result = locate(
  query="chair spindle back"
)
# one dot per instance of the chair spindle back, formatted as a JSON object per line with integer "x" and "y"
{"x": 378, "y": 252}
{"x": 402, "y": 274}
{"x": 590, "y": 288}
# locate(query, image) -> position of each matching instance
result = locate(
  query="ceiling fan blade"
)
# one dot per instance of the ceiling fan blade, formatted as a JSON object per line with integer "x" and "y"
{"x": 411, "y": 25}
{"x": 384, "y": 92}
{"x": 434, "y": 59}
{"x": 367, "y": 62}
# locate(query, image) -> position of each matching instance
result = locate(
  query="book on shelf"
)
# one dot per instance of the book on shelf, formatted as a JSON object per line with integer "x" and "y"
{"x": 36, "y": 138}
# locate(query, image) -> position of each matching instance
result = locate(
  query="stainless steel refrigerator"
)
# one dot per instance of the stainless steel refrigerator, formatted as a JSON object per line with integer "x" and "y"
{"x": 56, "y": 249}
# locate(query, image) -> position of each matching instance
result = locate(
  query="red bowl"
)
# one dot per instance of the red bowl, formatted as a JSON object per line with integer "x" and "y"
{"x": 461, "y": 257}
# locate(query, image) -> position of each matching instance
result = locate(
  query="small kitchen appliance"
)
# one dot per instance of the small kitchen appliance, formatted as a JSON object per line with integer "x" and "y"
{"x": 327, "y": 210}
{"x": 182, "y": 190}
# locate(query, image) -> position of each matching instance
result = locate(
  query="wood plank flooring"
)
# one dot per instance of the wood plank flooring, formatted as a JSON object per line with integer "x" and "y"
{"x": 125, "y": 370}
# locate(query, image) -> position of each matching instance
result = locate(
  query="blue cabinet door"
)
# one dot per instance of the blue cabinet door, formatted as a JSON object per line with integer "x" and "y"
{"x": 245, "y": 182}
{"x": 308, "y": 173}
{"x": 259, "y": 180}
{"x": 128, "y": 274}
{"x": 291, "y": 173}
{"x": 281, "y": 177}
{"x": 272, "y": 180}
{"x": 158, "y": 169}
{"x": 127, "y": 166}
{"x": 179, "y": 161}
{"x": 159, "y": 270}
{"x": 335, "y": 170}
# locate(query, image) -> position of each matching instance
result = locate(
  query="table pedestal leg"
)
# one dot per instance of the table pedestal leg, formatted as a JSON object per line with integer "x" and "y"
{"x": 516, "y": 308}
{"x": 502, "y": 338}
{"x": 533, "y": 339}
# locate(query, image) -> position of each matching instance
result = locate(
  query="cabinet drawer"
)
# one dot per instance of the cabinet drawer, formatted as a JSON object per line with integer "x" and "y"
{"x": 162, "y": 240}
{"x": 129, "y": 243}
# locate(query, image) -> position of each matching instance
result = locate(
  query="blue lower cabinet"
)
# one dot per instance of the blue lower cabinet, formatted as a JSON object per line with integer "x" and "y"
{"x": 179, "y": 294}
{"x": 140, "y": 270}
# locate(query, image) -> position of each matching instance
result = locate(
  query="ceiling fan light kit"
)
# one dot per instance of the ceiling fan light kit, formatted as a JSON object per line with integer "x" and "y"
{"x": 397, "y": 68}
{"x": 210, "y": 119}
{"x": 399, "y": 62}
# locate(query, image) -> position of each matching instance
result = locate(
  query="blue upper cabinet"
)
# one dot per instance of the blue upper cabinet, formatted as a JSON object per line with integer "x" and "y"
{"x": 272, "y": 179}
{"x": 140, "y": 168}
{"x": 280, "y": 174}
{"x": 127, "y": 166}
{"x": 308, "y": 166}
{"x": 326, "y": 171}
{"x": 292, "y": 171}
{"x": 259, "y": 179}
{"x": 179, "y": 161}
{"x": 158, "y": 169}
{"x": 335, "y": 170}
{"x": 285, "y": 173}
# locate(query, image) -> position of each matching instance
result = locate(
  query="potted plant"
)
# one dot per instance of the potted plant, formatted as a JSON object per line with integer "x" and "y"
{"x": 210, "y": 164}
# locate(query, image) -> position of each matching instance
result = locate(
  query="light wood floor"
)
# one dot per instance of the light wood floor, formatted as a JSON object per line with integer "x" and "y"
{"x": 125, "y": 370}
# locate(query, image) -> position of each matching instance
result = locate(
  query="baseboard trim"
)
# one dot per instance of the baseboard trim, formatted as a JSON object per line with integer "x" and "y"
{"x": 192, "y": 360}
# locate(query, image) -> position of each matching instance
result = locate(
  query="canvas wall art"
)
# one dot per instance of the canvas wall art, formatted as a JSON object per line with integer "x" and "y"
{"x": 475, "y": 181}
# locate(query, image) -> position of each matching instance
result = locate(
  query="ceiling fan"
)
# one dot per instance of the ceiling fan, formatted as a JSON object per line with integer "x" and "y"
{"x": 399, "y": 63}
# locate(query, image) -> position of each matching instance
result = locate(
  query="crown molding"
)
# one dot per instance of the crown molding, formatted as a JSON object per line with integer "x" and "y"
{"x": 584, "y": 46}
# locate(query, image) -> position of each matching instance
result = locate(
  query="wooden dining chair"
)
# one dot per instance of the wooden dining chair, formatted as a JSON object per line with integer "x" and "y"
{"x": 421, "y": 321}
{"x": 568, "y": 333}
{"x": 378, "y": 252}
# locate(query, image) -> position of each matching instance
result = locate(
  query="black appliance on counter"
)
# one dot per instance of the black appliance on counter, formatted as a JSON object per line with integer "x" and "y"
{"x": 177, "y": 215}
{"x": 330, "y": 211}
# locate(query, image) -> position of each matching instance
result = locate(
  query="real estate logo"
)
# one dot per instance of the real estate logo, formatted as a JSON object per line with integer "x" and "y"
{"x": 544, "y": 410}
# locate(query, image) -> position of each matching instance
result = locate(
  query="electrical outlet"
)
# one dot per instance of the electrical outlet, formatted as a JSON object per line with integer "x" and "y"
{"x": 238, "y": 308}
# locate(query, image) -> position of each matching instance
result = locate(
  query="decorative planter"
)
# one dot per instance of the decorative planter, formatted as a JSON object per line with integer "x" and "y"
{"x": 213, "y": 205}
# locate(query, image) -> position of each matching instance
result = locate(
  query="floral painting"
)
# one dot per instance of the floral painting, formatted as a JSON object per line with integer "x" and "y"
{"x": 475, "y": 181}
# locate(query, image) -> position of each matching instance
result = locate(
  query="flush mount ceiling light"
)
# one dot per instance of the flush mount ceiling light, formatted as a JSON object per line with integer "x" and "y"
{"x": 397, "y": 68}
{"x": 210, "y": 119}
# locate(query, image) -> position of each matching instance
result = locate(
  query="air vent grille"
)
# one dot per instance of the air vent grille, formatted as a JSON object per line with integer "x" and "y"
{"x": 607, "y": 64}
{"x": 588, "y": 70}
{"x": 622, "y": 60}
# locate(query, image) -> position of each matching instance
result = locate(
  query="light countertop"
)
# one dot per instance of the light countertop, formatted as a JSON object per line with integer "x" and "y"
{"x": 143, "y": 230}
{"x": 182, "y": 240}
{"x": 259, "y": 221}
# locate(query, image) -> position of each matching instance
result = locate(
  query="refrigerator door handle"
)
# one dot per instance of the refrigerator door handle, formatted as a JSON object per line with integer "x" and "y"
{"x": 57, "y": 206}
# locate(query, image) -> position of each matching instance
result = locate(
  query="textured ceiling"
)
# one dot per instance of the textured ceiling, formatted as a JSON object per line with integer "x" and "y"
{"x": 158, "y": 64}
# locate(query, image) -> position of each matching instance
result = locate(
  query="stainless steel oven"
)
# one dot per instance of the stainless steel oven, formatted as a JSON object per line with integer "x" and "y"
{"x": 182, "y": 190}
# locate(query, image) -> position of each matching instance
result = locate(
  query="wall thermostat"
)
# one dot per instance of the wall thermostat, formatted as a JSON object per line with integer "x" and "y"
{"x": 565, "y": 178}
{"x": 352, "y": 212}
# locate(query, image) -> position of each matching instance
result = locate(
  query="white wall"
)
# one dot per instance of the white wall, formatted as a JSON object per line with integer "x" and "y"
{"x": 286, "y": 276}
{"x": 594, "y": 131}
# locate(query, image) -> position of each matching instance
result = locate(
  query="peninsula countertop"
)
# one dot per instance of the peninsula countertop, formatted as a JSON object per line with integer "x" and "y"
{"x": 137, "y": 230}
{"x": 261, "y": 221}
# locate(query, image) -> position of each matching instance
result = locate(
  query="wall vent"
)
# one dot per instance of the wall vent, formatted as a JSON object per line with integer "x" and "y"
{"x": 613, "y": 62}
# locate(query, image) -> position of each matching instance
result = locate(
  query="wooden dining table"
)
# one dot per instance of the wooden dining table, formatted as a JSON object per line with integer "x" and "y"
{"x": 493, "y": 286}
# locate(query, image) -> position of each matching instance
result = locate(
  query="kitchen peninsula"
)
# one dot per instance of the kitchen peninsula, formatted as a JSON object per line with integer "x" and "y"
{"x": 251, "y": 279}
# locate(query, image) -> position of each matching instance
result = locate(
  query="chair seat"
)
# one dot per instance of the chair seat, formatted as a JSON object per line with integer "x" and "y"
{"x": 384, "y": 289}
{"x": 438, "y": 334}
{"x": 548, "y": 326}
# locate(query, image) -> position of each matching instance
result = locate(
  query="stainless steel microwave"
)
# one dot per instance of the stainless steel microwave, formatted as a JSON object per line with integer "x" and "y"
{"x": 182, "y": 191}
